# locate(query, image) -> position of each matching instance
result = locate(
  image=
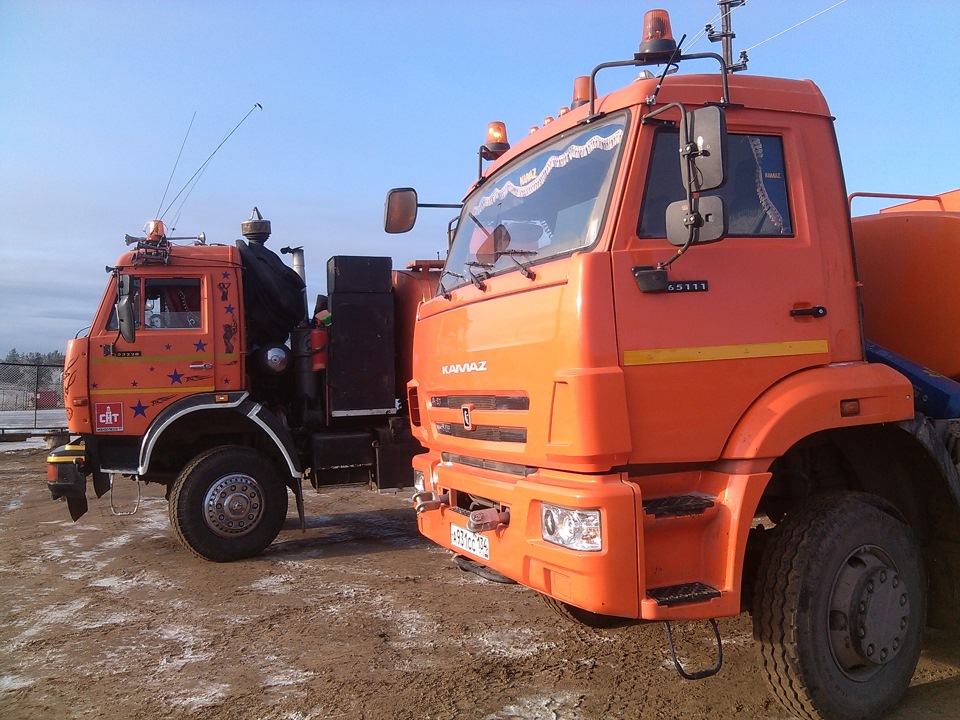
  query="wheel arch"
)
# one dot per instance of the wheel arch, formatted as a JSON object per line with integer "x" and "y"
{"x": 204, "y": 421}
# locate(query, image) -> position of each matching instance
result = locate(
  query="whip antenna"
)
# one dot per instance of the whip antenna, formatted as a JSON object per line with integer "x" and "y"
{"x": 200, "y": 169}
{"x": 170, "y": 179}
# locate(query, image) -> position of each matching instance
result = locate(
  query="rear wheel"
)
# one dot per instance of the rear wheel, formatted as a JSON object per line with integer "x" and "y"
{"x": 840, "y": 607}
{"x": 228, "y": 504}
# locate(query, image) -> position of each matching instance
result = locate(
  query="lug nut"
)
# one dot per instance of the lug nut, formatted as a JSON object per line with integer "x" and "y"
{"x": 870, "y": 587}
{"x": 870, "y": 650}
{"x": 896, "y": 643}
{"x": 903, "y": 623}
{"x": 883, "y": 653}
{"x": 883, "y": 576}
{"x": 863, "y": 608}
{"x": 863, "y": 631}
{"x": 903, "y": 600}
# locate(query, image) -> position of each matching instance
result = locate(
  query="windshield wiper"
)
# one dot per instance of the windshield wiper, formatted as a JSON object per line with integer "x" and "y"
{"x": 512, "y": 254}
{"x": 476, "y": 279}
{"x": 443, "y": 290}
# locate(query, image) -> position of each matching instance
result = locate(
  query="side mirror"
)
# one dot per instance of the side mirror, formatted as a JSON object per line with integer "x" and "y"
{"x": 706, "y": 220}
{"x": 125, "y": 308}
{"x": 703, "y": 152}
{"x": 400, "y": 210}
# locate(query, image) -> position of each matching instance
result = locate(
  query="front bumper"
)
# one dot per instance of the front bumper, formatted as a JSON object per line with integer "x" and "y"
{"x": 605, "y": 581}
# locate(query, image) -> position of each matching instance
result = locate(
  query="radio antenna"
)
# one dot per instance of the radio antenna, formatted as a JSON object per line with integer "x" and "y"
{"x": 170, "y": 179}
{"x": 200, "y": 169}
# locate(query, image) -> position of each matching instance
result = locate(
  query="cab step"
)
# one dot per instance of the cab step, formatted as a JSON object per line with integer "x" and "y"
{"x": 682, "y": 594}
{"x": 695, "y": 503}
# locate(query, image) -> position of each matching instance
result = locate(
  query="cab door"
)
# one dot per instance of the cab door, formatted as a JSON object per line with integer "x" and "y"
{"x": 737, "y": 315}
{"x": 173, "y": 353}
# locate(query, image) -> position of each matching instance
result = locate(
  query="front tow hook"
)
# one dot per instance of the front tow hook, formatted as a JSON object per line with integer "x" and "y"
{"x": 423, "y": 501}
{"x": 488, "y": 519}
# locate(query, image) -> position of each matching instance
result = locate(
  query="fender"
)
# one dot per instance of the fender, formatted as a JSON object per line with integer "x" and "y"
{"x": 237, "y": 402}
{"x": 809, "y": 401}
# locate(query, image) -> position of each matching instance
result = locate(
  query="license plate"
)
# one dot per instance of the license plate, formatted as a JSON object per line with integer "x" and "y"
{"x": 471, "y": 542}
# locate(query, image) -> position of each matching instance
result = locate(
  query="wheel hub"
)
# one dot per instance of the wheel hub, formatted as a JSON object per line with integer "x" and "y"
{"x": 233, "y": 505}
{"x": 869, "y": 613}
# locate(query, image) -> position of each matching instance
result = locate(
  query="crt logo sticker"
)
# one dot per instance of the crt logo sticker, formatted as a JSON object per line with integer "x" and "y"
{"x": 109, "y": 417}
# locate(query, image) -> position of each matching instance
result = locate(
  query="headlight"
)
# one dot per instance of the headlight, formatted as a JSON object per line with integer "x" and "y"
{"x": 574, "y": 529}
{"x": 418, "y": 480}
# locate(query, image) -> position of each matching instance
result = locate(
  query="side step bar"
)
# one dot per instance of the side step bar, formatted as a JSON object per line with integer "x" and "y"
{"x": 695, "y": 503}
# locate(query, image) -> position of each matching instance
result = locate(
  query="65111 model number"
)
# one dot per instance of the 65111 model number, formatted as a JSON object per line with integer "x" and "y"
{"x": 681, "y": 286}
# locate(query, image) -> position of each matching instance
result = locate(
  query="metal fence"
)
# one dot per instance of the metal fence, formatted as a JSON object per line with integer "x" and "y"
{"x": 31, "y": 396}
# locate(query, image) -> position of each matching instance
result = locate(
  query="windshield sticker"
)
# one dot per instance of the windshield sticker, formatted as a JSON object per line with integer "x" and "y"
{"x": 573, "y": 152}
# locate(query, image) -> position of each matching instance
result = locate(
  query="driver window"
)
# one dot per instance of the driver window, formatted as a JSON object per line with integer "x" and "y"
{"x": 755, "y": 194}
{"x": 172, "y": 303}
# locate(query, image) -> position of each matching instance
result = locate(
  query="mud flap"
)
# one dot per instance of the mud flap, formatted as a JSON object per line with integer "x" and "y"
{"x": 77, "y": 506}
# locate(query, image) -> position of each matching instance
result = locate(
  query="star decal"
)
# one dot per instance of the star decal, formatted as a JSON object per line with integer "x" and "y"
{"x": 226, "y": 381}
{"x": 229, "y": 309}
{"x": 226, "y": 275}
{"x": 200, "y": 345}
{"x": 168, "y": 347}
{"x": 134, "y": 383}
{"x": 94, "y": 386}
{"x": 139, "y": 409}
{"x": 152, "y": 369}
{"x": 175, "y": 378}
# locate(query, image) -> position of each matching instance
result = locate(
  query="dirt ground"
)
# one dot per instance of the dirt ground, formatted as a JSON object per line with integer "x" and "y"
{"x": 358, "y": 618}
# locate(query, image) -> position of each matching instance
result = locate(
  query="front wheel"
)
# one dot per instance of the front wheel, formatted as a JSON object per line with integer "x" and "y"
{"x": 840, "y": 607}
{"x": 228, "y": 504}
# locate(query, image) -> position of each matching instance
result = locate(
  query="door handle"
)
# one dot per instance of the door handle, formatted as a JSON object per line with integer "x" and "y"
{"x": 200, "y": 366}
{"x": 817, "y": 311}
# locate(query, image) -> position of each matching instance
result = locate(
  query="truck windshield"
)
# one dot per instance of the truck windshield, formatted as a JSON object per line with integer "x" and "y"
{"x": 549, "y": 202}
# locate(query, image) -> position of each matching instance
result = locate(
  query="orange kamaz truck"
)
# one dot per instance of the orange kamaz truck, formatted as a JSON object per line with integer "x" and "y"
{"x": 645, "y": 391}
{"x": 204, "y": 371}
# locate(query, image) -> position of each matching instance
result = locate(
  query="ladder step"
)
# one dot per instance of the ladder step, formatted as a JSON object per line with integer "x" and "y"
{"x": 683, "y": 593}
{"x": 679, "y": 505}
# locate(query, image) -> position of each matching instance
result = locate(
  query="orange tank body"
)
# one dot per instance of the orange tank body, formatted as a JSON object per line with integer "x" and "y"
{"x": 908, "y": 255}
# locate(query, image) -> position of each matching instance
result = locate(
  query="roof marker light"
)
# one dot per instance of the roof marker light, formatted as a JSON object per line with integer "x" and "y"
{"x": 658, "y": 43}
{"x": 533, "y": 129}
{"x": 547, "y": 120}
{"x": 563, "y": 111}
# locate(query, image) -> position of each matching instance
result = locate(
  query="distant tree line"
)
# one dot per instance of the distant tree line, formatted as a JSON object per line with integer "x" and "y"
{"x": 35, "y": 358}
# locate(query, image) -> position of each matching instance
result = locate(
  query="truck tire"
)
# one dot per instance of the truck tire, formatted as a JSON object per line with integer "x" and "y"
{"x": 228, "y": 504}
{"x": 840, "y": 607}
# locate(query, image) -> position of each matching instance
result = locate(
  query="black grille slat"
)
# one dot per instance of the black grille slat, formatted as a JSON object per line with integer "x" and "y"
{"x": 490, "y": 433}
{"x": 482, "y": 402}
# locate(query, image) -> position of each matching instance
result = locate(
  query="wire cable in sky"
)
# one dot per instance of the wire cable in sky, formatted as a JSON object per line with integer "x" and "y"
{"x": 795, "y": 26}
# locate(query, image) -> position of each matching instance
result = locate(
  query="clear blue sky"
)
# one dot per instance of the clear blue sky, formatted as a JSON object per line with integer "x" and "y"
{"x": 362, "y": 96}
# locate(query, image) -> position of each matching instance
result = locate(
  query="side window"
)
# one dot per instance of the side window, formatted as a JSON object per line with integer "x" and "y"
{"x": 171, "y": 303}
{"x": 755, "y": 194}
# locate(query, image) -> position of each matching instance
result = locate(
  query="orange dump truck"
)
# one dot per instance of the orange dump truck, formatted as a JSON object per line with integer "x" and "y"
{"x": 204, "y": 371}
{"x": 644, "y": 389}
